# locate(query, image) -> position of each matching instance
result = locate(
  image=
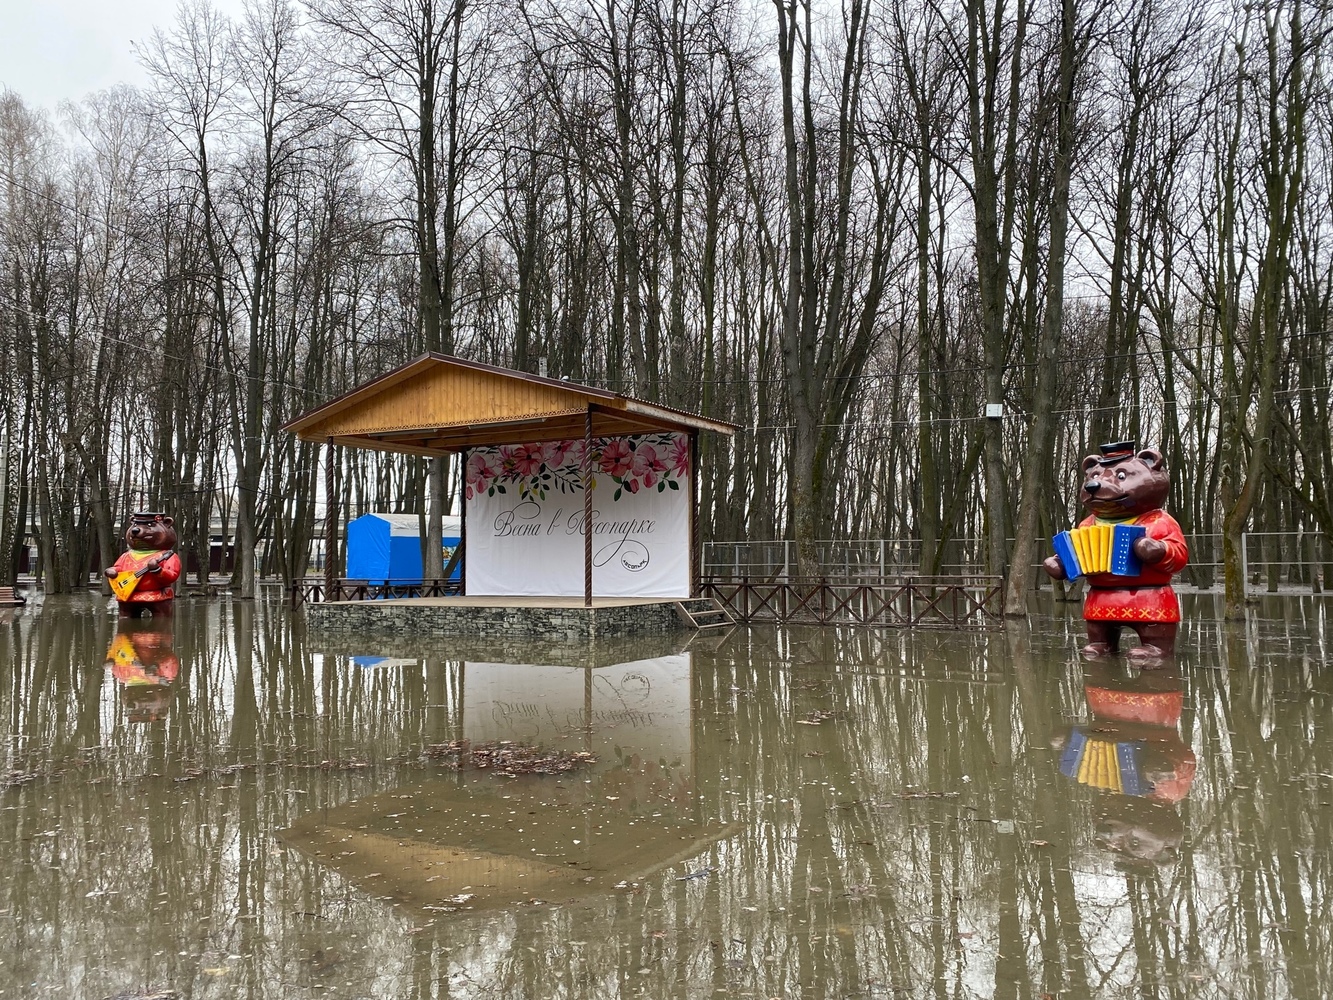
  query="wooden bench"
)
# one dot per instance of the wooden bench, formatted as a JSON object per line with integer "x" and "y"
{"x": 8, "y": 598}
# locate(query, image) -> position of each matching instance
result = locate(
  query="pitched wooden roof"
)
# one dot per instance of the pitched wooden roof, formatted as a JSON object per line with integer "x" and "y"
{"x": 437, "y": 404}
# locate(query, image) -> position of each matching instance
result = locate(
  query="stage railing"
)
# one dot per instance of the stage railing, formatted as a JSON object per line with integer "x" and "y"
{"x": 956, "y": 602}
{"x": 313, "y": 590}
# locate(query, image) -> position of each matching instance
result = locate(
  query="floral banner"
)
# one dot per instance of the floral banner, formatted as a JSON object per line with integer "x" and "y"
{"x": 525, "y": 518}
{"x": 532, "y": 471}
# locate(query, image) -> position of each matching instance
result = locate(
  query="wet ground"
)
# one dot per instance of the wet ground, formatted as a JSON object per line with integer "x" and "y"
{"x": 226, "y": 805}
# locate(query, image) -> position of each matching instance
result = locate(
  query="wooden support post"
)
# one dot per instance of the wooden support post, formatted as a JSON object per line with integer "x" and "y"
{"x": 694, "y": 514}
{"x": 330, "y": 523}
{"x": 587, "y": 510}
{"x": 462, "y": 526}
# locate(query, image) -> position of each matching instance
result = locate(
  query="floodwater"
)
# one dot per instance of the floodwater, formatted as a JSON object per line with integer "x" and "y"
{"x": 226, "y": 804}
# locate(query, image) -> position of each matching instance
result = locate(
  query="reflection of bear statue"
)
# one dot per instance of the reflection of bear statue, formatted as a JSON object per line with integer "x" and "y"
{"x": 144, "y": 664}
{"x": 1132, "y": 754}
{"x": 1125, "y": 487}
{"x": 143, "y": 577}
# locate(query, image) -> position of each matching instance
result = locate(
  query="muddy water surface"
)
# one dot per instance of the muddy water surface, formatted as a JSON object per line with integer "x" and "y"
{"x": 227, "y": 805}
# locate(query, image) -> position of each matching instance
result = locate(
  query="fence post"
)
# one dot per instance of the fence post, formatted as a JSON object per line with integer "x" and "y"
{"x": 1244, "y": 563}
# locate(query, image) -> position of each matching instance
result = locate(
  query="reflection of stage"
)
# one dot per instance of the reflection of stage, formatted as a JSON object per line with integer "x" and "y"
{"x": 509, "y": 650}
{"x": 501, "y": 839}
{"x": 491, "y": 842}
{"x": 539, "y": 617}
{"x": 646, "y": 704}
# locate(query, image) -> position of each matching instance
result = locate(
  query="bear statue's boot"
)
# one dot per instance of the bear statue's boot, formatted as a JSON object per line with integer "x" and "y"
{"x": 1157, "y": 641}
{"x": 1103, "y": 639}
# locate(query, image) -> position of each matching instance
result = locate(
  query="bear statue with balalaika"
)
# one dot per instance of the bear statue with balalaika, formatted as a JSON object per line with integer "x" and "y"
{"x": 1128, "y": 548}
{"x": 144, "y": 576}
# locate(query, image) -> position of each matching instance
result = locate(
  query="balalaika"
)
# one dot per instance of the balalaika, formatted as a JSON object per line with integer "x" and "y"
{"x": 1099, "y": 548}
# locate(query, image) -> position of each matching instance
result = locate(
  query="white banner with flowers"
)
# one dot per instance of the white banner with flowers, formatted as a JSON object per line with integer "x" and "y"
{"x": 525, "y": 518}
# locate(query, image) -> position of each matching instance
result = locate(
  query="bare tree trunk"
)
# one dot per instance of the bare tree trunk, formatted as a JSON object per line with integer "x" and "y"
{"x": 1282, "y": 161}
{"x": 1041, "y": 435}
{"x": 989, "y": 123}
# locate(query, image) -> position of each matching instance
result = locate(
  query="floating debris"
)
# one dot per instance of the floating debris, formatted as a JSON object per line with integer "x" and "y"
{"x": 700, "y": 873}
{"x": 341, "y": 765}
{"x": 816, "y": 717}
{"x": 928, "y": 795}
{"x": 507, "y": 758}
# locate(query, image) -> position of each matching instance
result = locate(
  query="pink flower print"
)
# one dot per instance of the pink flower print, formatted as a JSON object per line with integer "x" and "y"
{"x": 553, "y": 454}
{"x": 679, "y": 456}
{"x": 573, "y": 454}
{"x": 527, "y": 459}
{"x": 506, "y": 452}
{"x": 482, "y": 468}
{"x": 632, "y": 485}
{"x": 617, "y": 459}
{"x": 648, "y": 466}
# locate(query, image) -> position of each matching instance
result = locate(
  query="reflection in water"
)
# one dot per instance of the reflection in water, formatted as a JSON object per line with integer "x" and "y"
{"x": 1131, "y": 752}
{"x": 800, "y": 813}
{"x": 144, "y": 664}
{"x": 461, "y": 839}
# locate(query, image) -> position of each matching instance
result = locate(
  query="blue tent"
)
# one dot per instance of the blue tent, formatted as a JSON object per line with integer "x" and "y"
{"x": 386, "y": 548}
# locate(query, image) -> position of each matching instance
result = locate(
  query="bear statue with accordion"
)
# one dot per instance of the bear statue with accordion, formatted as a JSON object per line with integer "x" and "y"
{"x": 1127, "y": 548}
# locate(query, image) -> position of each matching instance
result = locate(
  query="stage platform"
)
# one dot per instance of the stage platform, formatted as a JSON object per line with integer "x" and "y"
{"x": 559, "y": 618}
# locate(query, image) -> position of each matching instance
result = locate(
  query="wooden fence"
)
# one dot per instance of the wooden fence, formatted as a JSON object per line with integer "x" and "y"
{"x": 312, "y": 590}
{"x": 956, "y": 602}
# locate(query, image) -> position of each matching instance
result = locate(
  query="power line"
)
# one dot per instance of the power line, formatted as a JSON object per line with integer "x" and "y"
{"x": 1013, "y": 415}
{"x": 963, "y": 370}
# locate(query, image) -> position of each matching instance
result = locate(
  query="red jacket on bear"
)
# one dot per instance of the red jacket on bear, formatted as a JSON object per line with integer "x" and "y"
{"x": 1149, "y": 596}
{"x": 153, "y": 586}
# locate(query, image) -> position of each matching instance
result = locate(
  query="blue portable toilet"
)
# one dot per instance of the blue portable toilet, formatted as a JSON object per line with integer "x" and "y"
{"x": 386, "y": 548}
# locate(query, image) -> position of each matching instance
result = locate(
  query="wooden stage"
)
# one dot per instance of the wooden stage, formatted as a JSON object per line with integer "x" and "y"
{"x": 511, "y": 601}
{"x": 502, "y": 617}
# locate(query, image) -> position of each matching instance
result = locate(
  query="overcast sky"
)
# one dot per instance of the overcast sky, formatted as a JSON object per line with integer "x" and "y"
{"x": 53, "y": 50}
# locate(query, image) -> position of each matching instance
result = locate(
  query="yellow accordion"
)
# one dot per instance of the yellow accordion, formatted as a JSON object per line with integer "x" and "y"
{"x": 1099, "y": 548}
